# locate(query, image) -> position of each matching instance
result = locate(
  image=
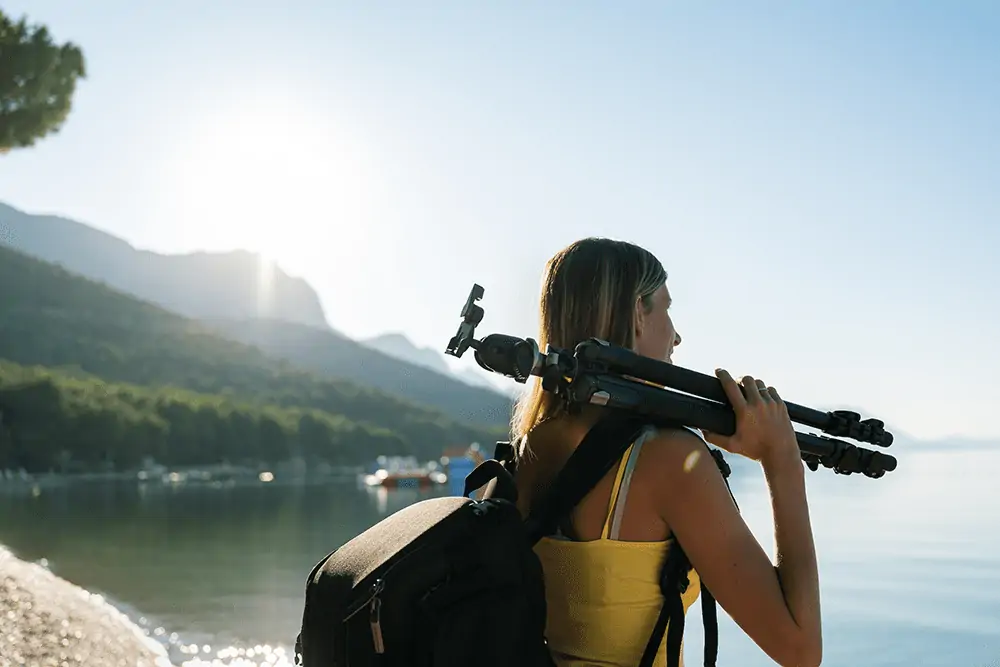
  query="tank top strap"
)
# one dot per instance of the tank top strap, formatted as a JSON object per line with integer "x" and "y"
{"x": 623, "y": 479}
{"x": 614, "y": 493}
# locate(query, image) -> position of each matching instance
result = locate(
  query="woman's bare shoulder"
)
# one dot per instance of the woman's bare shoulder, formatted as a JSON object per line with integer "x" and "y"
{"x": 678, "y": 449}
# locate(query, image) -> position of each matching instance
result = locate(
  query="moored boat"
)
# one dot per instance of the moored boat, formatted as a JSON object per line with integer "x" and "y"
{"x": 398, "y": 472}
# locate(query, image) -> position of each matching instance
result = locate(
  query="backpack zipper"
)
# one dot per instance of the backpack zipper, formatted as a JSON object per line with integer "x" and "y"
{"x": 374, "y": 619}
{"x": 374, "y": 604}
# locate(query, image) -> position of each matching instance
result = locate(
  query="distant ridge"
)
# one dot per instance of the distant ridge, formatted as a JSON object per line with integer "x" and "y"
{"x": 399, "y": 346}
{"x": 330, "y": 353}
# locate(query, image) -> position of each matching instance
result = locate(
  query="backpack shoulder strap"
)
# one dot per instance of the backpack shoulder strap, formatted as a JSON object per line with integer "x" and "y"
{"x": 673, "y": 584}
{"x": 597, "y": 453}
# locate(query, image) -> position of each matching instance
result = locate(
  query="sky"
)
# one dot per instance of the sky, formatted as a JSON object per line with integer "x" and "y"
{"x": 819, "y": 179}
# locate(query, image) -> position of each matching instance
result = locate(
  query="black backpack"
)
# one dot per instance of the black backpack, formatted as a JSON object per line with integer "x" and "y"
{"x": 453, "y": 582}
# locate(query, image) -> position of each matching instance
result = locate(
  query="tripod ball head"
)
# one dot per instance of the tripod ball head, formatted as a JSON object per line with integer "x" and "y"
{"x": 509, "y": 356}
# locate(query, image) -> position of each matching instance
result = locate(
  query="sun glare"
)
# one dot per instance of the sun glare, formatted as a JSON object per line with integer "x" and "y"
{"x": 276, "y": 181}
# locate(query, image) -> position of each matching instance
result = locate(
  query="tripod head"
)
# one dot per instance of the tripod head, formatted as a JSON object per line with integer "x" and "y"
{"x": 598, "y": 373}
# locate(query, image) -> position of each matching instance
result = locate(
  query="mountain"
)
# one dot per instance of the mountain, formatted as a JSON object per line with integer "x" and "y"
{"x": 83, "y": 329}
{"x": 400, "y": 347}
{"x": 223, "y": 288}
{"x": 327, "y": 352}
{"x": 196, "y": 285}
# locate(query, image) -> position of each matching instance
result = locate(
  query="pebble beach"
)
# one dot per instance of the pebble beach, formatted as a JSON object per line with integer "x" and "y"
{"x": 46, "y": 621}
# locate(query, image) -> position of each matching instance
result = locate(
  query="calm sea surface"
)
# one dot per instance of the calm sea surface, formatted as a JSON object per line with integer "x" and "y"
{"x": 909, "y": 564}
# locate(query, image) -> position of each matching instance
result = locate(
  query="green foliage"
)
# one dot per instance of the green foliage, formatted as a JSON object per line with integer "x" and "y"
{"x": 37, "y": 81}
{"x": 53, "y": 420}
{"x": 83, "y": 329}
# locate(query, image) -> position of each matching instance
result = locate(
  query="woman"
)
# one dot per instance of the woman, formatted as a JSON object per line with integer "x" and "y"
{"x": 602, "y": 568}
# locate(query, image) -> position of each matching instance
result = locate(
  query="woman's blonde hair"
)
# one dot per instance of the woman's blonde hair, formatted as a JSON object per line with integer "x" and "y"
{"x": 589, "y": 290}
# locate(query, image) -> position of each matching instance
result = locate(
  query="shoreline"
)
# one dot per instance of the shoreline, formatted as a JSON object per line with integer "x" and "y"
{"x": 48, "y": 621}
{"x": 34, "y": 484}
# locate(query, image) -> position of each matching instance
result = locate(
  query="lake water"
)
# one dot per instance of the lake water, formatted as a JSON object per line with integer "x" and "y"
{"x": 909, "y": 564}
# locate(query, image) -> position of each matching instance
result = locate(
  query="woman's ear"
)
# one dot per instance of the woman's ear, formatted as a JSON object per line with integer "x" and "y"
{"x": 639, "y": 318}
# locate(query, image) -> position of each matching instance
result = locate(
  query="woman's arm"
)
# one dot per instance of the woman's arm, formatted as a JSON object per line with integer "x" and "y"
{"x": 776, "y": 604}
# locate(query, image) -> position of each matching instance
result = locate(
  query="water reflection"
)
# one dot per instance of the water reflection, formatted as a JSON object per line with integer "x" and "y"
{"x": 910, "y": 563}
{"x": 386, "y": 501}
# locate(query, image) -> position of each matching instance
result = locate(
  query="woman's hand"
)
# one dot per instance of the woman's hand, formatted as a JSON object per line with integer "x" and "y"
{"x": 763, "y": 428}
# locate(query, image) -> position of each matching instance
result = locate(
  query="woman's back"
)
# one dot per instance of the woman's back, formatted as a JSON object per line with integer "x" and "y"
{"x": 602, "y": 588}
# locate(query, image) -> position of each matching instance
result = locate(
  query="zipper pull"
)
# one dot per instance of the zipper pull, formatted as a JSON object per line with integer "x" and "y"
{"x": 375, "y": 622}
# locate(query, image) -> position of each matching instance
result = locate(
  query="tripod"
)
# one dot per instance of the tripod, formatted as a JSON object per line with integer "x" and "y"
{"x": 598, "y": 373}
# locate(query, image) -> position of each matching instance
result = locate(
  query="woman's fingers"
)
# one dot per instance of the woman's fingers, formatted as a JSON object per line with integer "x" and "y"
{"x": 762, "y": 391}
{"x": 732, "y": 390}
{"x": 752, "y": 392}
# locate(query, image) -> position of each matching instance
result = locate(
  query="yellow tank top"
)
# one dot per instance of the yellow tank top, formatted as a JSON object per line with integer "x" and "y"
{"x": 603, "y": 596}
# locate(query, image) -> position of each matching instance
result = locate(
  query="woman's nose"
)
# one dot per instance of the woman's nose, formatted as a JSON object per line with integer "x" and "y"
{"x": 677, "y": 339}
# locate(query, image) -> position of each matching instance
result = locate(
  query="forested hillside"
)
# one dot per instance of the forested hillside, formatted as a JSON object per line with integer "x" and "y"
{"x": 51, "y": 318}
{"x": 57, "y": 421}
